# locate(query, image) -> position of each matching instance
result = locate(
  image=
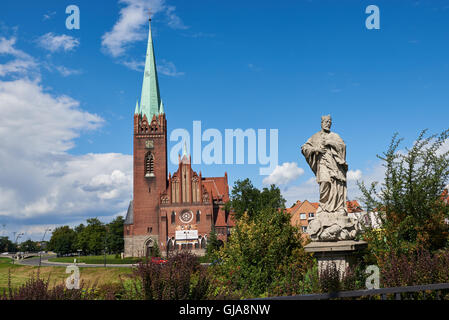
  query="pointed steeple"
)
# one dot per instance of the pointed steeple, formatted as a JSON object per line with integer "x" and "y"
{"x": 150, "y": 100}
{"x": 161, "y": 108}
{"x": 185, "y": 158}
{"x": 137, "y": 107}
{"x": 184, "y": 150}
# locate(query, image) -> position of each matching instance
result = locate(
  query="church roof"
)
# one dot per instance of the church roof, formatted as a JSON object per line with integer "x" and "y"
{"x": 150, "y": 101}
{"x": 221, "y": 218}
{"x": 130, "y": 214}
{"x": 217, "y": 187}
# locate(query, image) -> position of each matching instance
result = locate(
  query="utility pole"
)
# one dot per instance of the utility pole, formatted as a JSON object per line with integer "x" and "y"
{"x": 17, "y": 238}
{"x": 40, "y": 252}
{"x": 105, "y": 236}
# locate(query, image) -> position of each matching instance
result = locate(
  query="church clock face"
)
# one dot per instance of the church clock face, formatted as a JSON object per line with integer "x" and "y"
{"x": 186, "y": 217}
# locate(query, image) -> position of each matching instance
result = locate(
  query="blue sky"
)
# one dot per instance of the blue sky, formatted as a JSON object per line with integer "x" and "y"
{"x": 230, "y": 64}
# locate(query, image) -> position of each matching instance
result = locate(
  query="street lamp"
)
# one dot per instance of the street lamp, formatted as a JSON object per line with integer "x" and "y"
{"x": 17, "y": 238}
{"x": 185, "y": 244}
{"x": 40, "y": 252}
{"x": 105, "y": 237}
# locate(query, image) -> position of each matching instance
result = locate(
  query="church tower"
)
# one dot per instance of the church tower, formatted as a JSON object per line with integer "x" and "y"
{"x": 142, "y": 224}
{"x": 178, "y": 211}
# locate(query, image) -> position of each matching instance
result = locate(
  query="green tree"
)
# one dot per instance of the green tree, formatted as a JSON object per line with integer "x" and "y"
{"x": 62, "y": 240}
{"x": 409, "y": 201}
{"x": 115, "y": 235}
{"x": 7, "y": 245}
{"x": 213, "y": 245}
{"x": 265, "y": 253}
{"x": 92, "y": 237}
{"x": 246, "y": 198}
{"x": 81, "y": 242}
{"x": 29, "y": 246}
{"x": 155, "y": 251}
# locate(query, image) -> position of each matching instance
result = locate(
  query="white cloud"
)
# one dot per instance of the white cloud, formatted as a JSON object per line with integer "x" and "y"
{"x": 42, "y": 179}
{"x": 168, "y": 68}
{"x": 135, "y": 65}
{"x": 48, "y": 15}
{"x": 41, "y": 183}
{"x": 65, "y": 72}
{"x": 53, "y": 42}
{"x": 354, "y": 175}
{"x": 130, "y": 26}
{"x": 173, "y": 20}
{"x": 307, "y": 190}
{"x": 22, "y": 63}
{"x": 444, "y": 148}
{"x": 284, "y": 174}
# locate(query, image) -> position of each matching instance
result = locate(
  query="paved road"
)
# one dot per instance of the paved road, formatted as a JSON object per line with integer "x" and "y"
{"x": 45, "y": 263}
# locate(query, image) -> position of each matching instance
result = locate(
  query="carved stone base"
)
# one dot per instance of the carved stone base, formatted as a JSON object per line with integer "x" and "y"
{"x": 342, "y": 253}
{"x": 333, "y": 227}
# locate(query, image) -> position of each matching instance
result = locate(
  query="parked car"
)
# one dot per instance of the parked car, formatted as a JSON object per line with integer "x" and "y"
{"x": 158, "y": 260}
{"x": 5, "y": 253}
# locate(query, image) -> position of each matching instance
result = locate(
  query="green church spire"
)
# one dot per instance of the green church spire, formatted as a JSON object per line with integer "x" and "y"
{"x": 137, "y": 107}
{"x": 161, "y": 107}
{"x": 150, "y": 101}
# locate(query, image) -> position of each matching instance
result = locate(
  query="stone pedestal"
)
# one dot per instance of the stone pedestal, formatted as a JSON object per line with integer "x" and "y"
{"x": 342, "y": 253}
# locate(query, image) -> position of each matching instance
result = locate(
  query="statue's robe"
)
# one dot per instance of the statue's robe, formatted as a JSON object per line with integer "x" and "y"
{"x": 330, "y": 169}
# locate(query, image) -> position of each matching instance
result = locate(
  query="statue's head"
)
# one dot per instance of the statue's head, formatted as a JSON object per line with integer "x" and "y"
{"x": 326, "y": 123}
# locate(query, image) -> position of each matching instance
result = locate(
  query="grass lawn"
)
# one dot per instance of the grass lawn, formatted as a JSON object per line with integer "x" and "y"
{"x": 111, "y": 259}
{"x": 20, "y": 274}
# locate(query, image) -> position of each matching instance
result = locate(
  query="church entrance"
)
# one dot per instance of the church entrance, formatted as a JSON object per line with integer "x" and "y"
{"x": 149, "y": 244}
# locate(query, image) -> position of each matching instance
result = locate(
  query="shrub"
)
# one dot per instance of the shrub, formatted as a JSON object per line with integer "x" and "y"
{"x": 409, "y": 200}
{"x": 417, "y": 268}
{"x": 180, "y": 278}
{"x": 36, "y": 288}
{"x": 329, "y": 280}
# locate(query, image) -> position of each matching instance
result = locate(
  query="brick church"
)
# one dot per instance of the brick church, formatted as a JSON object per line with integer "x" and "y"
{"x": 173, "y": 211}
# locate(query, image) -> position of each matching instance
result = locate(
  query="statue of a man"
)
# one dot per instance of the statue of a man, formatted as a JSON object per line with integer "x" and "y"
{"x": 325, "y": 152}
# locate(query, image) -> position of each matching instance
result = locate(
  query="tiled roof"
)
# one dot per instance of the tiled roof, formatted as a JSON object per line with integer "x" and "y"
{"x": 353, "y": 206}
{"x": 294, "y": 207}
{"x": 217, "y": 187}
{"x": 221, "y": 218}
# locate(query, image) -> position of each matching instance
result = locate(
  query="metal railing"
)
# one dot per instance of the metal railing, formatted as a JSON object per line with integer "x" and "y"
{"x": 398, "y": 293}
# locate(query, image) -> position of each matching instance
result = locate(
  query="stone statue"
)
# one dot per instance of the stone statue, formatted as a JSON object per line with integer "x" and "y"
{"x": 325, "y": 152}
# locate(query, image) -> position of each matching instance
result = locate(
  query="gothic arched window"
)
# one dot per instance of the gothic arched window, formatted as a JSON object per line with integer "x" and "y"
{"x": 198, "y": 216}
{"x": 149, "y": 165}
{"x": 173, "y": 216}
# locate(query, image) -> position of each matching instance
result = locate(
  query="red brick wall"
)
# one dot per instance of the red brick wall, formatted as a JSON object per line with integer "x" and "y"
{"x": 305, "y": 208}
{"x": 203, "y": 227}
{"x": 147, "y": 190}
